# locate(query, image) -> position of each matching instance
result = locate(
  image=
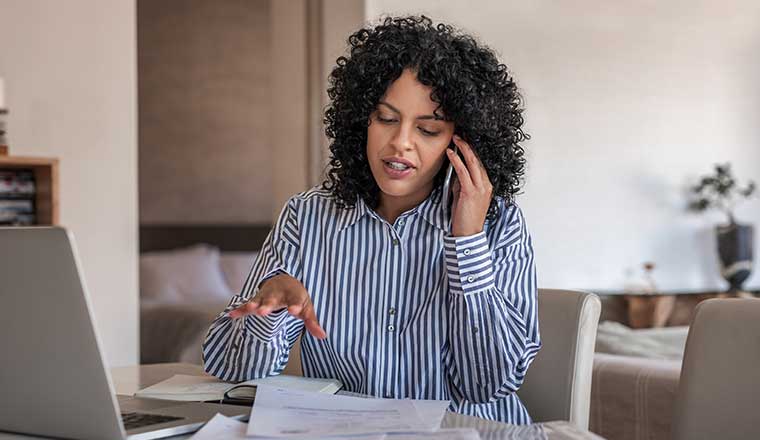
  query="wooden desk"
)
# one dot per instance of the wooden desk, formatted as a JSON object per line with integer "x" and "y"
{"x": 127, "y": 380}
{"x": 672, "y": 308}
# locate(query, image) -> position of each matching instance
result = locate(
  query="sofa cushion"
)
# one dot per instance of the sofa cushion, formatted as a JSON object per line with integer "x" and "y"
{"x": 181, "y": 275}
{"x": 632, "y": 398}
{"x": 653, "y": 343}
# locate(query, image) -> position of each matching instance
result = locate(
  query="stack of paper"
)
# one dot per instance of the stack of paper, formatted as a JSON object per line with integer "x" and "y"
{"x": 230, "y": 429}
{"x": 280, "y": 413}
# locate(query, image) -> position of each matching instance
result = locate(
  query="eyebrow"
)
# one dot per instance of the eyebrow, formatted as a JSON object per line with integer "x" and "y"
{"x": 433, "y": 117}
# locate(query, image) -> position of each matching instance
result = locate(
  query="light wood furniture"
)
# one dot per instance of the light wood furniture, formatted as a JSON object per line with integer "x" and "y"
{"x": 664, "y": 309}
{"x": 646, "y": 311}
{"x": 46, "y": 181}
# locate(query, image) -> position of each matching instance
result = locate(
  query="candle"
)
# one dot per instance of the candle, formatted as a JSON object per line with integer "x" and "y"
{"x": 2, "y": 93}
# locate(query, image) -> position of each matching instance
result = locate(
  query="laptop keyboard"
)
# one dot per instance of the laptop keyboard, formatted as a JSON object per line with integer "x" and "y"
{"x": 135, "y": 420}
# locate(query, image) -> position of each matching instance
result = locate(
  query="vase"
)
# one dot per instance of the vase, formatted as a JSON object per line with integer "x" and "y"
{"x": 735, "y": 242}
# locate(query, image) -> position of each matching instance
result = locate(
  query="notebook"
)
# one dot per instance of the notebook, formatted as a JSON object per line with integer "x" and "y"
{"x": 206, "y": 388}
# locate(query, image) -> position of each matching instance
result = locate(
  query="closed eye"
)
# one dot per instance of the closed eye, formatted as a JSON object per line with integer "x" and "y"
{"x": 428, "y": 132}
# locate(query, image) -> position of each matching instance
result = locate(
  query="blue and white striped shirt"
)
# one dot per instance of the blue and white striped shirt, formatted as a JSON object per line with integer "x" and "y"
{"x": 409, "y": 311}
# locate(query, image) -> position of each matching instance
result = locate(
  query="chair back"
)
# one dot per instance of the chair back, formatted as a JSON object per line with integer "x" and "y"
{"x": 719, "y": 390}
{"x": 557, "y": 385}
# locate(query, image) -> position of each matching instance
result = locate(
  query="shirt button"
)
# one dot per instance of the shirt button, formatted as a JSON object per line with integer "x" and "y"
{"x": 474, "y": 329}
{"x": 391, "y": 328}
{"x": 470, "y": 279}
{"x": 391, "y": 311}
{"x": 401, "y": 222}
{"x": 395, "y": 241}
{"x": 467, "y": 252}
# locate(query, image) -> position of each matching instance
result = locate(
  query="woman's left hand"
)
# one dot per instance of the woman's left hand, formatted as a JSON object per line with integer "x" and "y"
{"x": 472, "y": 191}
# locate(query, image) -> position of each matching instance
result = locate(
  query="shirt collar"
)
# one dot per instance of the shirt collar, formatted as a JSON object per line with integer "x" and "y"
{"x": 349, "y": 216}
{"x": 430, "y": 209}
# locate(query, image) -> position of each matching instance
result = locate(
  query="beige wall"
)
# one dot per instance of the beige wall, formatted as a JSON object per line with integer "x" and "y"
{"x": 627, "y": 103}
{"x": 289, "y": 101}
{"x": 71, "y": 89}
{"x": 340, "y": 18}
{"x": 204, "y": 88}
{"x": 231, "y": 101}
{"x": 307, "y": 37}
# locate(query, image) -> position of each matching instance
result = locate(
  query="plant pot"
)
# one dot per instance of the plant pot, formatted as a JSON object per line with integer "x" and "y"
{"x": 735, "y": 243}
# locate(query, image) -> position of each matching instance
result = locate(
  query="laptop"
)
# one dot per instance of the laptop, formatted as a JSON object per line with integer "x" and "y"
{"x": 53, "y": 380}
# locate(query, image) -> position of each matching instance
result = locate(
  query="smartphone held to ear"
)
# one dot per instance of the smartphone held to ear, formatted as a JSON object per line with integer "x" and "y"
{"x": 447, "y": 182}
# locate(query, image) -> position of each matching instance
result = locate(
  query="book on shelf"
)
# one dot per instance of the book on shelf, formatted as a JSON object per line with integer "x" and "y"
{"x": 17, "y": 212}
{"x": 17, "y": 183}
{"x": 17, "y": 193}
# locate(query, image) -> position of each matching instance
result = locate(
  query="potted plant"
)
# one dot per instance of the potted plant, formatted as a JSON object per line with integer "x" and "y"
{"x": 721, "y": 191}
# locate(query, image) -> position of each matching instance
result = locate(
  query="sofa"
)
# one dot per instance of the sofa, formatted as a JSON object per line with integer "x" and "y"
{"x": 181, "y": 292}
{"x": 636, "y": 372}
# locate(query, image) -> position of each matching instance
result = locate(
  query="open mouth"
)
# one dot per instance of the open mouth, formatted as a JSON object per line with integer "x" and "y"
{"x": 397, "y": 170}
{"x": 398, "y": 166}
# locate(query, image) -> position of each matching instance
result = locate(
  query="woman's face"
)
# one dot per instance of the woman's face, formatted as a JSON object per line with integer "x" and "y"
{"x": 406, "y": 142}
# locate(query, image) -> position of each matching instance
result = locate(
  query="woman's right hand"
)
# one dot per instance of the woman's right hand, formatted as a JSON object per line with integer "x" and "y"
{"x": 279, "y": 292}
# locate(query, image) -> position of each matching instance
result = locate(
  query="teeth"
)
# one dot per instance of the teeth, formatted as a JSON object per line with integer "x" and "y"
{"x": 397, "y": 166}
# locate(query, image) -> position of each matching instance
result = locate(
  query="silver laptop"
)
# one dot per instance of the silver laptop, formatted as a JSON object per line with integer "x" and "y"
{"x": 53, "y": 381}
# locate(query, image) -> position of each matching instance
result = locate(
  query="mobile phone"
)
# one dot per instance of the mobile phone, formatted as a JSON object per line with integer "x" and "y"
{"x": 447, "y": 181}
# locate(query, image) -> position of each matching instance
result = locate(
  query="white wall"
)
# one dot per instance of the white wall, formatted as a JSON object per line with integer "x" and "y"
{"x": 70, "y": 70}
{"x": 627, "y": 103}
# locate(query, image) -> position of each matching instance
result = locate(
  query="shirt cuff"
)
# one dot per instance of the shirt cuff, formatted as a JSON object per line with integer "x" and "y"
{"x": 265, "y": 328}
{"x": 468, "y": 263}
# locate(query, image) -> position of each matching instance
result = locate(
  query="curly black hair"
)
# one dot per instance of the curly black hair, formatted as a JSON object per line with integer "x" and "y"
{"x": 471, "y": 87}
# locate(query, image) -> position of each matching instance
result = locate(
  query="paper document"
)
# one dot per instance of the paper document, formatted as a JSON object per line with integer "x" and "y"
{"x": 221, "y": 427}
{"x": 279, "y": 412}
{"x": 441, "y": 434}
{"x": 431, "y": 412}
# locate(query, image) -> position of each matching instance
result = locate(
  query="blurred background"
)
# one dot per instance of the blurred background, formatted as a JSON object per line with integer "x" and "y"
{"x": 186, "y": 121}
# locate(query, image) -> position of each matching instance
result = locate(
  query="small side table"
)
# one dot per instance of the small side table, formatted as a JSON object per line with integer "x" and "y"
{"x": 669, "y": 308}
{"x": 649, "y": 310}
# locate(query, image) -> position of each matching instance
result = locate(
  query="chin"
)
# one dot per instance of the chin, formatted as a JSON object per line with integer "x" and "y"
{"x": 396, "y": 188}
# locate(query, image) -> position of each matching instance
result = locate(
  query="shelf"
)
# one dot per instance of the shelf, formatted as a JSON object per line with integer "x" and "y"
{"x": 46, "y": 184}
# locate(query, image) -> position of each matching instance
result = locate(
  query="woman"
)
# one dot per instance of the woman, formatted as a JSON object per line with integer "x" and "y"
{"x": 400, "y": 296}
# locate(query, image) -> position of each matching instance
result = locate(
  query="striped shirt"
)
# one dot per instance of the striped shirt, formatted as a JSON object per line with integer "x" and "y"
{"x": 409, "y": 311}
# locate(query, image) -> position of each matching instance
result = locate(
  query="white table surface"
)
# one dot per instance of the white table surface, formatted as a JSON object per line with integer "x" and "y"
{"x": 127, "y": 380}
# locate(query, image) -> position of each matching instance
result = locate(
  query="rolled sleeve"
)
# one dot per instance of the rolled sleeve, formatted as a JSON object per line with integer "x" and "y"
{"x": 258, "y": 346}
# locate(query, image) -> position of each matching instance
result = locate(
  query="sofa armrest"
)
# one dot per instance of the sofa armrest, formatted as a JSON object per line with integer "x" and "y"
{"x": 632, "y": 397}
{"x": 174, "y": 332}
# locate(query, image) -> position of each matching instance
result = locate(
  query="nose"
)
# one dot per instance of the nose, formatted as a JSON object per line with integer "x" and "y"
{"x": 402, "y": 139}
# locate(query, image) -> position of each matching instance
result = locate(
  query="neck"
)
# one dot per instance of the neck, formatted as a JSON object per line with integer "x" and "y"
{"x": 391, "y": 207}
